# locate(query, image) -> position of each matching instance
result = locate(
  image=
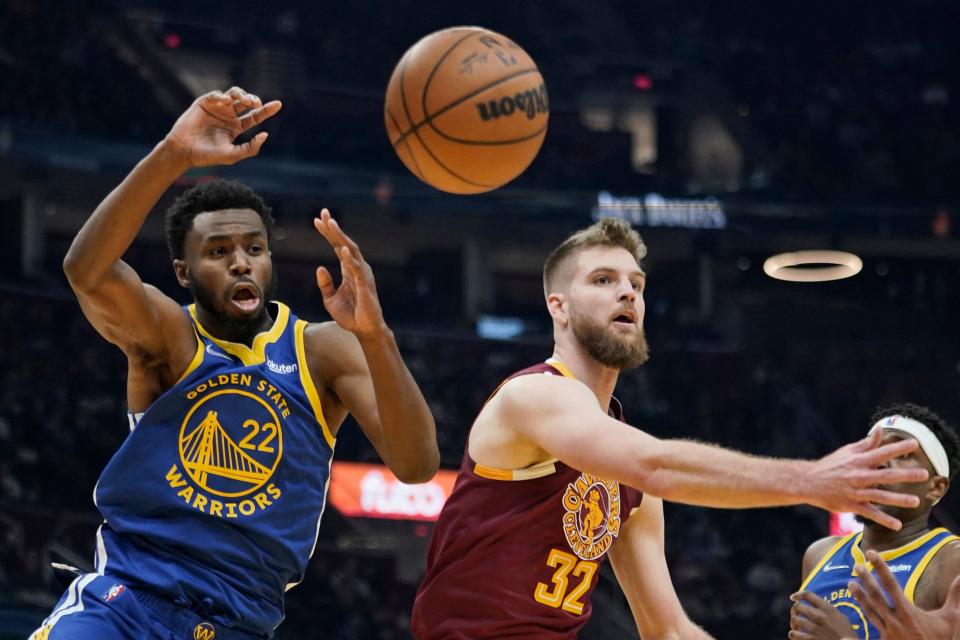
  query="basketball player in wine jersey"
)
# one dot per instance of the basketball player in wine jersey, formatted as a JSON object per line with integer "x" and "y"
{"x": 552, "y": 476}
{"x": 212, "y": 504}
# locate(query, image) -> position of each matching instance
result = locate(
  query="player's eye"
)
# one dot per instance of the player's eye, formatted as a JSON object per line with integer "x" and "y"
{"x": 601, "y": 280}
{"x": 218, "y": 251}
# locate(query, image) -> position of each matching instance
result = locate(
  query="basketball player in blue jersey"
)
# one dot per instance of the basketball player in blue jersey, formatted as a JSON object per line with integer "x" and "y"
{"x": 923, "y": 562}
{"x": 212, "y": 505}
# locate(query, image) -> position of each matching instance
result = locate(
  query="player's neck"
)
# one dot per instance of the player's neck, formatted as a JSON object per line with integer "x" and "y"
{"x": 225, "y": 328}
{"x": 880, "y": 538}
{"x": 601, "y": 379}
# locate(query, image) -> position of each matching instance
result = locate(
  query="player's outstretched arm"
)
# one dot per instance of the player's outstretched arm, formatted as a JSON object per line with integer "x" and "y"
{"x": 111, "y": 294}
{"x": 562, "y": 417}
{"x": 641, "y": 568}
{"x": 895, "y": 616}
{"x": 358, "y": 360}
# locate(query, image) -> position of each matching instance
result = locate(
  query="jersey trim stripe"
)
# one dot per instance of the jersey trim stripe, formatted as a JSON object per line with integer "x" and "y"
{"x": 562, "y": 368}
{"x": 306, "y": 381}
{"x": 826, "y": 558}
{"x": 893, "y": 554}
{"x": 911, "y": 586}
{"x": 538, "y": 470}
{"x": 249, "y": 356}
{"x": 74, "y": 602}
{"x": 197, "y": 359}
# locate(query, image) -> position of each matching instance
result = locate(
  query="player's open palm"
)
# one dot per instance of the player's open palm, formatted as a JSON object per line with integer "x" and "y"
{"x": 354, "y": 304}
{"x": 849, "y": 479}
{"x": 206, "y": 131}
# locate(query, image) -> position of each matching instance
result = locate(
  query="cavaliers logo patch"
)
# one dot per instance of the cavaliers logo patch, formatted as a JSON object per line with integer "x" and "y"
{"x": 231, "y": 460}
{"x": 592, "y": 519}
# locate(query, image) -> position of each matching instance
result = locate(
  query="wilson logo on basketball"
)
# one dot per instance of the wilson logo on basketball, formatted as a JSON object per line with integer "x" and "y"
{"x": 530, "y": 102}
{"x": 592, "y": 519}
{"x": 230, "y": 445}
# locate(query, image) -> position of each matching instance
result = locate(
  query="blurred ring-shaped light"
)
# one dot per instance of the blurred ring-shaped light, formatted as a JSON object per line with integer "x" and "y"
{"x": 789, "y": 266}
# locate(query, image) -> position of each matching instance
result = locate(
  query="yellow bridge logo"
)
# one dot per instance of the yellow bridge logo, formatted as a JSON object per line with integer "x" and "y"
{"x": 216, "y": 461}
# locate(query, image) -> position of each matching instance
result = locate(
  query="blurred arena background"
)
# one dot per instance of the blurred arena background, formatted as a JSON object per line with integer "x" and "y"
{"x": 727, "y": 131}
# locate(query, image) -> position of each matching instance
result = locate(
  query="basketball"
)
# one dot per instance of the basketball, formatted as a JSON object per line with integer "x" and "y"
{"x": 466, "y": 110}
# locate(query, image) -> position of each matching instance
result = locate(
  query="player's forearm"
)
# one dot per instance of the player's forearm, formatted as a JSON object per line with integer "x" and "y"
{"x": 409, "y": 436}
{"x": 707, "y": 475}
{"x": 112, "y": 227}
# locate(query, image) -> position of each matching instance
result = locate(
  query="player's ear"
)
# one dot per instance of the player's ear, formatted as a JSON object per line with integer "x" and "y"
{"x": 183, "y": 273}
{"x": 938, "y": 488}
{"x": 558, "y": 308}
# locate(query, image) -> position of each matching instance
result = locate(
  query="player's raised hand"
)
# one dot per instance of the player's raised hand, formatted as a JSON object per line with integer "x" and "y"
{"x": 813, "y": 618}
{"x": 850, "y": 479}
{"x": 894, "y": 616}
{"x": 354, "y": 304}
{"x": 206, "y": 131}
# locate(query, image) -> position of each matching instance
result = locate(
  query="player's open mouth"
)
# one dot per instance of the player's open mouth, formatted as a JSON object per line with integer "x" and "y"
{"x": 625, "y": 319}
{"x": 245, "y": 298}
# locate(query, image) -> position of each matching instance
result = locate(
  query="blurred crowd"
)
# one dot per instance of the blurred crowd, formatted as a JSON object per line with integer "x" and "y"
{"x": 853, "y": 102}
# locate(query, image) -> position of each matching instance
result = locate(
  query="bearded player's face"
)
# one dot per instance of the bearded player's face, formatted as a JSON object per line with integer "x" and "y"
{"x": 229, "y": 268}
{"x": 607, "y": 307}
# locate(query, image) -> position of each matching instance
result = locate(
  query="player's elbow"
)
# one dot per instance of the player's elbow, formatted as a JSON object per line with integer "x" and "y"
{"x": 419, "y": 473}
{"x": 419, "y": 469}
{"x": 80, "y": 278}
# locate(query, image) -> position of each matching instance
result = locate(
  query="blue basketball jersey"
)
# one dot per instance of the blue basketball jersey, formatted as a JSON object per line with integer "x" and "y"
{"x": 830, "y": 577}
{"x": 215, "y": 497}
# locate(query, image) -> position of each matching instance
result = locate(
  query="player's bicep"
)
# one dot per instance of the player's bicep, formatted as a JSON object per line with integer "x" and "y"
{"x": 563, "y": 418}
{"x": 641, "y": 568}
{"x": 130, "y": 314}
{"x": 343, "y": 369}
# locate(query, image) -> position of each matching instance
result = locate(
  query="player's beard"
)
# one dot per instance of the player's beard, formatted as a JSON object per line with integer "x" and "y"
{"x": 237, "y": 329}
{"x": 619, "y": 352}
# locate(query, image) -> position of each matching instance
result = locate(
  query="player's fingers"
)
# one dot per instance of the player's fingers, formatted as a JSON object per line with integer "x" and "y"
{"x": 238, "y": 95}
{"x": 325, "y": 282}
{"x": 797, "y": 634}
{"x": 882, "y": 496}
{"x": 347, "y": 240}
{"x": 870, "y": 512}
{"x": 872, "y": 477}
{"x": 322, "y": 225}
{"x": 812, "y": 599}
{"x": 879, "y": 455}
{"x": 870, "y": 442}
{"x": 260, "y": 114}
{"x": 248, "y": 149}
{"x": 349, "y": 263}
{"x": 887, "y": 582}
{"x": 873, "y": 609}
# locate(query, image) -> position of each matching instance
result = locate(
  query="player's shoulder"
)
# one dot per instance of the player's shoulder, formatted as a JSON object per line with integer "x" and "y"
{"x": 542, "y": 390}
{"x": 819, "y": 548}
{"x": 331, "y": 350}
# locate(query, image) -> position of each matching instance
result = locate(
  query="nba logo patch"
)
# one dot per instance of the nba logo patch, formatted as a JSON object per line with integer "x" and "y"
{"x": 114, "y": 592}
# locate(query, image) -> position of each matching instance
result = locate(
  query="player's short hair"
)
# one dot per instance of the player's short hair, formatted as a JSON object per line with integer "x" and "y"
{"x": 215, "y": 195}
{"x": 607, "y": 232}
{"x": 925, "y": 416}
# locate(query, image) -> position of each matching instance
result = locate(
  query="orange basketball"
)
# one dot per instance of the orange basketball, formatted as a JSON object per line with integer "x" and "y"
{"x": 466, "y": 110}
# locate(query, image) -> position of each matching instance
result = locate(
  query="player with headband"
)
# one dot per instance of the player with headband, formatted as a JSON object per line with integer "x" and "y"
{"x": 923, "y": 561}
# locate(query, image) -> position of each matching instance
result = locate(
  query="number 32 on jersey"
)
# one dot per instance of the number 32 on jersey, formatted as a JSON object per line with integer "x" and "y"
{"x": 559, "y": 594}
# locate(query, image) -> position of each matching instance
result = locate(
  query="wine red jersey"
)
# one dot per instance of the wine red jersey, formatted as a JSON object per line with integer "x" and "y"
{"x": 515, "y": 553}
